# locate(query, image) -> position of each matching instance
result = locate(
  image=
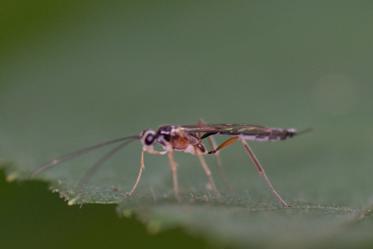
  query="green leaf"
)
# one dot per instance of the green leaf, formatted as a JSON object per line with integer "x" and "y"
{"x": 112, "y": 70}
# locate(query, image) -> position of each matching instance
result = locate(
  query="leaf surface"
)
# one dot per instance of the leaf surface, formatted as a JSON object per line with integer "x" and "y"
{"x": 125, "y": 68}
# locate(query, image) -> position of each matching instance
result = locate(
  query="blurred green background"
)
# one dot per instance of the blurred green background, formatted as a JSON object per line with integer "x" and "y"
{"x": 31, "y": 217}
{"x": 76, "y": 72}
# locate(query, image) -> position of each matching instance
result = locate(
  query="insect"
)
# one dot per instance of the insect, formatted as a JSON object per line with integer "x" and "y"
{"x": 187, "y": 139}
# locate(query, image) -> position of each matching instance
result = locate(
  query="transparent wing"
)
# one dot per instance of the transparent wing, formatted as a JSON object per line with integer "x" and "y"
{"x": 226, "y": 129}
{"x": 248, "y": 131}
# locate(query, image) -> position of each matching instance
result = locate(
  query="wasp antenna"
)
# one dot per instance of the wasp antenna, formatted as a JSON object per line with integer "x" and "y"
{"x": 91, "y": 171}
{"x": 78, "y": 153}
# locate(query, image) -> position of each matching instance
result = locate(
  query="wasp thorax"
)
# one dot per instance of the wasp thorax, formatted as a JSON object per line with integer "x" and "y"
{"x": 148, "y": 137}
{"x": 164, "y": 134}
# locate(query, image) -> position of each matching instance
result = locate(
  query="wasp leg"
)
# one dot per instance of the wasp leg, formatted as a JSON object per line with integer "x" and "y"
{"x": 142, "y": 167}
{"x": 139, "y": 174}
{"x": 262, "y": 173}
{"x": 156, "y": 152}
{"x": 219, "y": 163}
{"x": 224, "y": 144}
{"x": 173, "y": 167}
{"x": 207, "y": 171}
{"x": 212, "y": 143}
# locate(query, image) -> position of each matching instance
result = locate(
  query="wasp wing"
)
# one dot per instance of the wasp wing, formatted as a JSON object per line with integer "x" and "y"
{"x": 225, "y": 129}
{"x": 248, "y": 131}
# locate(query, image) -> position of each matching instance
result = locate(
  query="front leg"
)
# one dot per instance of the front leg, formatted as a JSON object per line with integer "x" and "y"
{"x": 151, "y": 150}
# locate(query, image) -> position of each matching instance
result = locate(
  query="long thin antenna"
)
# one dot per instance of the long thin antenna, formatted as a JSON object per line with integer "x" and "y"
{"x": 78, "y": 153}
{"x": 93, "y": 169}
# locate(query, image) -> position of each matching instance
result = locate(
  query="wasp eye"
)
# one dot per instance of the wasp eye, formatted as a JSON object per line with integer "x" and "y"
{"x": 149, "y": 139}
